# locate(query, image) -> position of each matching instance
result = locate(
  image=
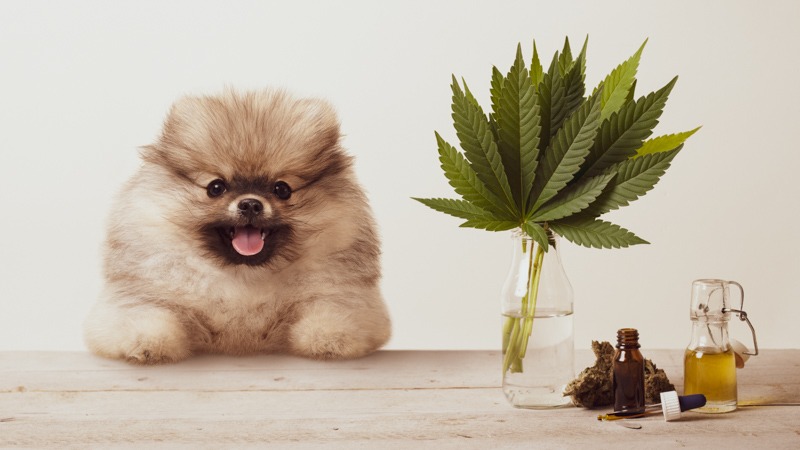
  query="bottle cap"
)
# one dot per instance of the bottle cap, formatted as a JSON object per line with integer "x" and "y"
{"x": 740, "y": 351}
{"x": 670, "y": 406}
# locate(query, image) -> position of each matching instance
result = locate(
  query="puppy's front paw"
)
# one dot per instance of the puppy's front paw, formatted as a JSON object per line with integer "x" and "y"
{"x": 150, "y": 350}
{"x": 140, "y": 335}
{"x": 327, "y": 344}
{"x": 326, "y": 332}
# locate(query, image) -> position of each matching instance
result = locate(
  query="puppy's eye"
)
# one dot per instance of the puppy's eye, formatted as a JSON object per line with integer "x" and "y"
{"x": 282, "y": 190}
{"x": 216, "y": 188}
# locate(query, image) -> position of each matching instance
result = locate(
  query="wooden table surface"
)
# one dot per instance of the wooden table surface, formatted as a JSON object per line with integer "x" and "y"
{"x": 392, "y": 399}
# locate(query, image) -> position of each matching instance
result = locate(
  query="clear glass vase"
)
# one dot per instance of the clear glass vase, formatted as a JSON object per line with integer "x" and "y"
{"x": 538, "y": 333}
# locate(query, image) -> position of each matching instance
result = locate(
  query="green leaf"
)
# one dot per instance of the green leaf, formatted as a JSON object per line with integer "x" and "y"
{"x": 574, "y": 89}
{"x": 631, "y": 92}
{"x": 623, "y": 133}
{"x": 496, "y": 88}
{"x": 471, "y": 98}
{"x": 617, "y": 84}
{"x": 537, "y": 72}
{"x": 490, "y": 225}
{"x": 593, "y": 155}
{"x": 595, "y": 233}
{"x": 573, "y": 199}
{"x": 493, "y": 127}
{"x": 472, "y": 129}
{"x": 582, "y": 59}
{"x": 466, "y": 183}
{"x": 553, "y": 64}
{"x": 551, "y": 100}
{"x": 562, "y": 159}
{"x": 537, "y": 233}
{"x": 517, "y": 118}
{"x": 664, "y": 143}
{"x": 633, "y": 178}
{"x": 565, "y": 60}
{"x": 457, "y": 208}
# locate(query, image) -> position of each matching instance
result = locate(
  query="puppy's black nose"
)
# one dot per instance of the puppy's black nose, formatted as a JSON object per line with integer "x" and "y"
{"x": 250, "y": 208}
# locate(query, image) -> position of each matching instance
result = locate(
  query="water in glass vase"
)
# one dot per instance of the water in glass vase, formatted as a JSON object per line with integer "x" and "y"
{"x": 548, "y": 363}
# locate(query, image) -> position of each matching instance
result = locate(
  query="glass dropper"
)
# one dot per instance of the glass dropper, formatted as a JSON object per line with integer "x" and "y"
{"x": 671, "y": 406}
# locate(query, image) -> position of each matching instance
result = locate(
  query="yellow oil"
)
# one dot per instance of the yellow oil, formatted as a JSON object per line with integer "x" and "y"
{"x": 713, "y": 375}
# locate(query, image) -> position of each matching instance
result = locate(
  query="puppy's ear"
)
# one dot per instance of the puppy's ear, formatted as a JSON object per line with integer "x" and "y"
{"x": 323, "y": 122}
{"x": 187, "y": 116}
{"x": 183, "y": 126}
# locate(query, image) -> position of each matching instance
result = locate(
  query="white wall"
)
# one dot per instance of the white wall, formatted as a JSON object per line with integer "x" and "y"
{"x": 83, "y": 84}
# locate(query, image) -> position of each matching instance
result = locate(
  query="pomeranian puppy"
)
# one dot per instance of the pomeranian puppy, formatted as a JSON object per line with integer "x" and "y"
{"x": 245, "y": 230}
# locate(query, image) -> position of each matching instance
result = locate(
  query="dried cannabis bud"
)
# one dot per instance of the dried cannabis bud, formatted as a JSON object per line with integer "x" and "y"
{"x": 655, "y": 382}
{"x": 593, "y": 385}
{"x": 592, "y": 388}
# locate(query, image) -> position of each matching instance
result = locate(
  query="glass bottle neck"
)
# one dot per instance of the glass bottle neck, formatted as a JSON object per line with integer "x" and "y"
{"x": 537, "y": 274}
{"x": 710, "y": 336}
{"x": 552, "y": 238}
{"x": 627, "y": 338}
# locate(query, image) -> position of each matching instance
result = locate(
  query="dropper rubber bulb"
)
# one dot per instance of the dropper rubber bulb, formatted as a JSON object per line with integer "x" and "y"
{"x": 672, "y": 405}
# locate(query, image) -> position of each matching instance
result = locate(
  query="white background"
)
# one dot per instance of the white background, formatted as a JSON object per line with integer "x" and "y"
{"x": 83, "y": 84}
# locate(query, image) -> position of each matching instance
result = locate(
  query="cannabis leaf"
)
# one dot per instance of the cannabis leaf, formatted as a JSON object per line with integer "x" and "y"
{"x": 479, "y": 144}
{"x": 457, "y": 208}
{"x": 664, "y": 143}
{"x": 466, "y": 183}
{"x": 573, "y": 199}
{"x": 632, "y": 179}
{"x": 574, "y": 87}
{"x": 617, "y": 84}
{"x": 490, "y": 225}
{"x": 517, "y": 119}
{"x": 566, "y": 153}
{"x": 623, "y": 133}
{"x": 547, "y": 158}
{"x": 537, "y": 72}
{"x": 551, "y": 102}
{"x": 596, "y": 233}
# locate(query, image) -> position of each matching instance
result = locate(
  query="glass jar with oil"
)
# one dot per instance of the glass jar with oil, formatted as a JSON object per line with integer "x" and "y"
{"x": 709, "y": 362}
{"x": 711, "y": 371}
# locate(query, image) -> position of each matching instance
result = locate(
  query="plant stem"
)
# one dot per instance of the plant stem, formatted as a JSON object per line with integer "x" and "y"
{"x": 533, "y": 294}
{"x": 517, "y": 330}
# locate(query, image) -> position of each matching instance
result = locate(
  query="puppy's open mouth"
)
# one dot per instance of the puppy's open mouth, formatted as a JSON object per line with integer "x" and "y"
{"x": 250, "y": 244}
{"x": 247, "y": 240}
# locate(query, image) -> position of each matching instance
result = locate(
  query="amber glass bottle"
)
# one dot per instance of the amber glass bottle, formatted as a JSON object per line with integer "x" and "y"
{"x": 628, "y": 375}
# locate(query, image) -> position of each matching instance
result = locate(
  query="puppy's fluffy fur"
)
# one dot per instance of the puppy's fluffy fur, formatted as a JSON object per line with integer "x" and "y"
{"x": 185, "y": 266}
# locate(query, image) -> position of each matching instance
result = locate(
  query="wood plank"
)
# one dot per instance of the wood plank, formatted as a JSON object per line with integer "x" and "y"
{"x": 250, "y": 417}
{"x": 387, "y": 369}
{"x": 457, "y": 417}
{"x": 392, "y": 399}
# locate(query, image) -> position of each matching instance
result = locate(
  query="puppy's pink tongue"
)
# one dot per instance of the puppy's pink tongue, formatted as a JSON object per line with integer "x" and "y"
{"x": 247, "y": 240}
